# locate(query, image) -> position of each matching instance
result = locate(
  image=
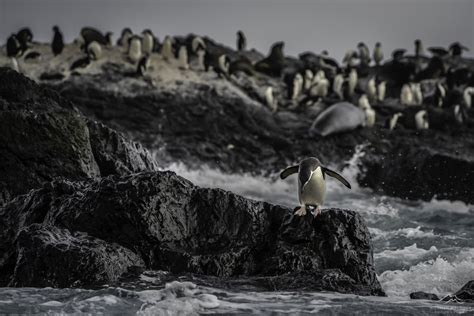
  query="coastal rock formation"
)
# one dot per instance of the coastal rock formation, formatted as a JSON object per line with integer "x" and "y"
{"x": 465, "y": 294}
{"x": 424, "y": 296}
{"x": 44, "y": 137}
{"x": 161, "y": 221}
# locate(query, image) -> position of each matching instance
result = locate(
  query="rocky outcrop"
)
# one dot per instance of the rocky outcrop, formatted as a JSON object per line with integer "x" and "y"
{"x": 424, "y": 296}
{"x": 44, "y": 137}
{"x": 465, "y": 294}
{"x": 159, "y": 220}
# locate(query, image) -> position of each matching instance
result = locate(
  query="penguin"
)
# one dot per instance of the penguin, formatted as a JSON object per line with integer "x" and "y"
{"x": 241, "y": 41}
{"x": 25, "y": 37}
{"x": 368, "y": 110}
{"x": 143, "y": 65}
{"x": 406, "y": 95}
{"x": 439, "y": 95}
{"x": 90, "y": 35}
{"x": 183, "y": 58}
{"x": 308, "y": 79}
{"x": 321, "y": 89}
{"x": 198, "y": 44}
{"x": 134, "y": 48}
{"x": 456, "y": 49}
{"x": 124, "y": 38}
{"x": 270, "y": 100}
{"x": 392, "y": 122}
{"x": 147, "y": 41}
{"x": 224, "y": 64}
{"x": 467, "y": 96}
{"x": 337, "y": 85}
{"x": 13, "y": 46}
{"x": 350, "y": 59}
{"x": 94, "y": 50}
{"x": 219, "y": 63}
{"x": 242, "y": 64}
{"x": 352, "y": 82}
{"x": 320, "y": 75}
{"x": 381, "y": 89}
{"x": 311, "y": 183}
{"x": 421, "y": 120}
{"x": 458, "y": 114}
{"x": 297, "y": 86}
{"x": 371, "y": 90}
{"x": 364, "y": 53}
{"x": 274, "y": 63}
{"x": 108, "y": 38}
{"x": 14, "y": 64}
{"x": 363, "y": 102}
{"x": 378, "y": 53}
{"x": 167, "y": 49}
{"x": 417, "y": 93}
{"x": 57, "y": 44}
{"x": 418, "y": 48}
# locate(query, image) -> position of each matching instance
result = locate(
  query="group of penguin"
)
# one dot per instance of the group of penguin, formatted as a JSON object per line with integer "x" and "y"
{"x": 309, "y": 80}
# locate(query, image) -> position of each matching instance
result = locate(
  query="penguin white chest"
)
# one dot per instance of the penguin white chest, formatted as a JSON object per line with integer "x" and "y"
{"x": 314, "y": 192}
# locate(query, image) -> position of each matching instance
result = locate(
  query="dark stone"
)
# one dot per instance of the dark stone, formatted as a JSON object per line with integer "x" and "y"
{"x": 465, "y": 294}
{"x": 173, "y": 225}
{"x": 43, "y": 137}
{"x": 424, "y": 296}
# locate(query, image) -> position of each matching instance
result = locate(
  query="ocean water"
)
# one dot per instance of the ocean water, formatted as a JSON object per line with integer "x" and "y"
{"x": 418, "y": 246}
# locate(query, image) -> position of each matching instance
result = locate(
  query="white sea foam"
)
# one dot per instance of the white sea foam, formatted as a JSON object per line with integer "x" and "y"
{"x": 439, "y": 276}
{"x": 407, "y": 254}
{"x": 408, "y": 232}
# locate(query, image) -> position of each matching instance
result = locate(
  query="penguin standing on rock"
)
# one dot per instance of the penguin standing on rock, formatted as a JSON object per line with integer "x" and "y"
{"x": 312, "y": 183}
{"x": 25, "y": 37}
{"x": 147, "y": 41}
{"x": 143, "y": 65}
{"x": 241, "y": 41}
{"x": 57, "y": 45}
{"x": 183, "y": 57}
{"x": 378, "y": 53}
{"x": 94, "y": 50}
{"x": 167, "y": 49}
{"x": 135, "y": 48}
{"x": 13, "y": 46}
{"x": 125, "y": 38}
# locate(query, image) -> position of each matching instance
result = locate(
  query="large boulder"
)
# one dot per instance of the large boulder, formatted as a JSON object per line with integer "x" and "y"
{"x": 161, "y": 221}
{"x": 465, "y": 294}
{"x": 44, "y": 137}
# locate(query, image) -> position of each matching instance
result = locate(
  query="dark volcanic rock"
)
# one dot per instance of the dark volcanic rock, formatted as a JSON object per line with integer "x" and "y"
{"x": 424, "y": 296}
{"x": 465, "y": 294}
{"x": 43, "y": 137}
{"x": 172, "y": 225}
{"x": 49, "y": 256}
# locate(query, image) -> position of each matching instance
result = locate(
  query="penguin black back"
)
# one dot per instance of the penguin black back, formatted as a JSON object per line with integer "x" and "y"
{"x": 57, "y": 45}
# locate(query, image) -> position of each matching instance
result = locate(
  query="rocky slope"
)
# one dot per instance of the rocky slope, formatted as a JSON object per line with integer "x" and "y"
{"x": 91, "y": 232}
{"x": 83, "y": 206}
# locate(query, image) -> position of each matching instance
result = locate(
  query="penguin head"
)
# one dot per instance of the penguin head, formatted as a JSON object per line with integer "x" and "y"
{"x": 108, "y": 37}
{"x": 56, "y": 28}
{"x": 147, "y": 31}
{"x": 126, "y": 31}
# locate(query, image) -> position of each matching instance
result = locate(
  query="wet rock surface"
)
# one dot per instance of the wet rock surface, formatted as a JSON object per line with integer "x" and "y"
{"x": 465, "y": 294}
{"x": 160, "y": 221}
{"x": 424, "y": 296}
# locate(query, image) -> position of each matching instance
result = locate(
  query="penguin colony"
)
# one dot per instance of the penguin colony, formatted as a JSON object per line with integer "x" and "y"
{"x": 410, "y": 91}
{"x": 420, "y": 88}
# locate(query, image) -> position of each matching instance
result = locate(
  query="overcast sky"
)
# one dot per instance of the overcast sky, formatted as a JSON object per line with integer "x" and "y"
{"x": 335, "y": 25}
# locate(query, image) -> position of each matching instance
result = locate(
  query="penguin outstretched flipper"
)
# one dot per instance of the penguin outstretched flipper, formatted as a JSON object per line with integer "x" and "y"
{"x": 336, "y": 175}
{"x": 289, "y": 171}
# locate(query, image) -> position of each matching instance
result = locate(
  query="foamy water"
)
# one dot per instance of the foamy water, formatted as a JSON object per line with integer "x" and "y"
{"x": 418, "y": 246}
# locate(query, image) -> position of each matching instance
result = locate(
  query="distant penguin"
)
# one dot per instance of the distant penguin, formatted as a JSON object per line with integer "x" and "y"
{"x": 198, "y": 44}
{"x": 363, "y": 102}
{"x": 392, "y": 122}
{"x": 108, "y": 37}
{"x": 57, "y": 45}
{"x": 167, "y": 49}
{"x": 147, "y": 41}
{"x": 421, "y": 120}
{"x": 458, "y": 114}
{"x": 135, "y": 48}
{"x": 370, "y": 116}
{"x": 381, "y": 89}
{"x": 417, "y": 93}
{"x": 297, "y": 86}
{"x": 90, "y": 35}
{"x": 364, "y": 53}
{"x": 467, "y": 96}
{"x": 143, "y": 65}
{"x": 183, "y": 57}
{"x": 372, "y": 90}
{"x": 25, "y": 37}
{"x": 308, "y": 79}
{"x": 270, "y": 99}
{"x": 320, "y": 75}
{"x": 94, "y": 50}
{"x": 311, "y": 183}
{"x": 337, "y": 85}
{"x": 321, "y": 89}
{"x": 406, "y": 95}
{"x": 456, "y": 49}
{"x": 350, "y": 59}
{"x": 352, "y": 83}
{"x": 241, "y": 41}
{"x": 13, "y": 46}
{"x": 124, "y": 38}
{"x": 378, "y": 53}
{"x": 274, "y": 63}
{"x": 419, "y": 48}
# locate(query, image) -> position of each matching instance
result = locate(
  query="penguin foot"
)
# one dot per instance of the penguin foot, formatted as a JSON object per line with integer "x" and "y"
{"x": 316, "y": 211}
{"x": 301, "y": 211}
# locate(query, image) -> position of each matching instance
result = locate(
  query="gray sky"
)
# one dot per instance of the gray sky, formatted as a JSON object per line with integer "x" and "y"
{"x": 335, "y": 25}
